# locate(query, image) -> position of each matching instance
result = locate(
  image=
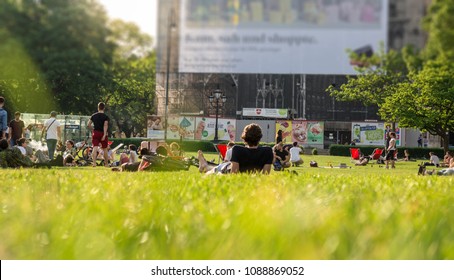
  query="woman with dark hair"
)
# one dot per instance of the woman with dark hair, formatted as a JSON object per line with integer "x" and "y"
{"x": 12, "y": 157}
{"x": 391, "y": 149}
{"x": 279, "y": 136}
{"x": 250, "y": 158}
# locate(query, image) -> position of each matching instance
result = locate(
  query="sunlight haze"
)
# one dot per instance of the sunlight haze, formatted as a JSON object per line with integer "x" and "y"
{"x": 141, "y": 12}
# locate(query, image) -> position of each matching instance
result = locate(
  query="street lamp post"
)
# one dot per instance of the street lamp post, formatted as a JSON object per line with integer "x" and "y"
{"x": 170, "y": 26}
{"x": 217, "y": 100}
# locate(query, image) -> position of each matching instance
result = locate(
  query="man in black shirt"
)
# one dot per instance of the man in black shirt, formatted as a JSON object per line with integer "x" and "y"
{"x": 250, "y": 158}
{"x": 100, "y": 122}
{"x": 16, "y": 129}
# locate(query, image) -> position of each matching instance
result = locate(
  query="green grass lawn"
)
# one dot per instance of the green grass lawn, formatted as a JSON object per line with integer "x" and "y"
{"x": 364, "y": 212}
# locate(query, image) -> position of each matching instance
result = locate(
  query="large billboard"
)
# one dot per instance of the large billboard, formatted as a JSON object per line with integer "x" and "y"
{"x": 279, "y": 37}
{"x": 368, "y": 134}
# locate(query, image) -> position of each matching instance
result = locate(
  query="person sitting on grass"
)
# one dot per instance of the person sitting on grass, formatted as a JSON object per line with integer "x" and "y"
{"x": 295, "y": 152}
{"x": 363, "y": 161}
{"x": 406, "y": 155}
{"x": 69, "y": 154}
{"x": 12, "y": 157}
{"x": 21, "y": 144}
{"x": 248, "y": 159}
{"x": 447, "y": 159}
{"x": 281, "y": 157}
{"x": 228, "y": 153}
{"x": 433, "y": 161}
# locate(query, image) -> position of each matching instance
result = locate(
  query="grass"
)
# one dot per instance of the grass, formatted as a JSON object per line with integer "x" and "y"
{"x": 320, "y": 213}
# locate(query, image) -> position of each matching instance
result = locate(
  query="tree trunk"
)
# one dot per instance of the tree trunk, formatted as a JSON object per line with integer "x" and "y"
{"x": 445, "y": 138}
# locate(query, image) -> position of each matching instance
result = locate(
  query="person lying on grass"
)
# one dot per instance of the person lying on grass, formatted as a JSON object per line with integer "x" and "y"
{"x": 249, "y": 159}
{"x": 363, "y": 161}
{"x": 12, "y": 157}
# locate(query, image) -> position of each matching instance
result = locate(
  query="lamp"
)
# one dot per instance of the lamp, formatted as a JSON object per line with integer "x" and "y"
{"x": 171, "y": 25}
{"x": 217, "y": 100}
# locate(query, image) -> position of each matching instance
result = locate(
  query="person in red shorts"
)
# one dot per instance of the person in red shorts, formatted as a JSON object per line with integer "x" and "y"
{"x": 100, "y": 122}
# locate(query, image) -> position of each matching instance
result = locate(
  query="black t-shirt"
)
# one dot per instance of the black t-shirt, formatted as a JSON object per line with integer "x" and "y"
{"x": 278, "y": 139}
{"x": 252, "y": 160}
{"x": 98, "y": 120}
{"x": 17, "y": 127}
{"x": 282, "y": 154}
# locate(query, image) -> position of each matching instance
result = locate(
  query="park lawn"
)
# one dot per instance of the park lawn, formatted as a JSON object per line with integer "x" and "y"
{"x": 364, "y": 212}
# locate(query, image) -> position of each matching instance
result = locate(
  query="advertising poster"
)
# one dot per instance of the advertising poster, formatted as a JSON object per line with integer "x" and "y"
{"x": 307, "y": 132}
{"x": 205, "y": 129}
{"x": 266, "y": 113}
{"x": 286, "y": 127}
{"x": 181, "y": 127}
{"x": 371, "y": 134}
{"x": 155, "y": 127}
{"x": 315, "y": 133}
{"x": 279, "y": 37}
{"x": 399, "y": 133}
{"x": 299, "y": 132}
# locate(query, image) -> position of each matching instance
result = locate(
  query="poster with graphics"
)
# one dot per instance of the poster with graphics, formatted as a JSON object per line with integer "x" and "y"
{"x": 181, "y": 127}
{"x": 205, "y": 129}
{"x": 299, "y": 132}
{"x": 155, "y": 127}
{"x": 315, "y": 133}
{"x": 307, "y": 132}
{"x": 286, "y": 127}
{"x": 399, "y": 133}
{"x": 368, "y": 133}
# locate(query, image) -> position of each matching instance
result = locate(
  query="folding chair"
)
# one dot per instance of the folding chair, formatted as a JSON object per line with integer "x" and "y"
{"x": 376, "y": 154}
{"x": 355, "y": 154}
{"x": 221, "y": 149}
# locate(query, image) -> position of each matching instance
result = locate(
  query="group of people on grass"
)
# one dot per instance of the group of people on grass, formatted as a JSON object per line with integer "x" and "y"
{"x": 248, "y": 158}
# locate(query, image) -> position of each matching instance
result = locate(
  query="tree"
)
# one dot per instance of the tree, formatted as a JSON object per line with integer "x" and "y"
{"x": 414, "y": 88}
{"x": 378, "y": 78}
{"x": 67, "y": 43}
{"x": 131, "y": 96}
{"x": 439, "y": 23}
{"x": 426, "y": 101}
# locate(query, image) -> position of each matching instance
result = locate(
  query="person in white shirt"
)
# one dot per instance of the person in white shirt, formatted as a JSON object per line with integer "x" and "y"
{"x": 52, "y": 127}
{"x": 434, "y": 160}
{"x": 21, "y": 144}
{"x": 295, "y": 152}
{"x": 228, "y": 153}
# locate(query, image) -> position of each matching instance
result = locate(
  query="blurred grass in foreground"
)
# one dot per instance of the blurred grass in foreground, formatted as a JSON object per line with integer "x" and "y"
{"x": 321, "y": 213}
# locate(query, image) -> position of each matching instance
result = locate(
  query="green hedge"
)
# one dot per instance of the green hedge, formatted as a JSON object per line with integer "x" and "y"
{"x": 415, "y": 153}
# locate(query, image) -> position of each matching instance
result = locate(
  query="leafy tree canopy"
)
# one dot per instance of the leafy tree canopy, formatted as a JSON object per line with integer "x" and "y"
{"x": 414, "y": 88}
{"x": 68, "y": 55}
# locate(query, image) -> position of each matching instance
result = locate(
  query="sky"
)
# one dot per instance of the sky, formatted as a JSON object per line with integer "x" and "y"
{"x": 141, "y": 12}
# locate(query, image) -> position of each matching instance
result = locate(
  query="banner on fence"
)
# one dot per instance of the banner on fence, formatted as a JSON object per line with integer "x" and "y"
{"x": 266, "y": 113}
{"x": 181, "y": 127}
{"x": 307, "y": 132}
{"x": 205, "y": 129}
{"x": 155, "y": 127}
{"x": 286, "y": 127}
